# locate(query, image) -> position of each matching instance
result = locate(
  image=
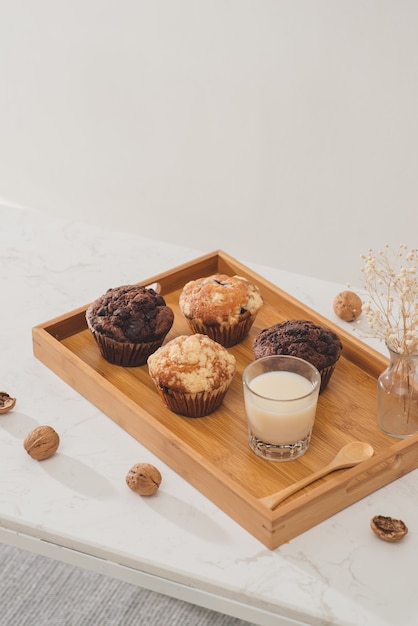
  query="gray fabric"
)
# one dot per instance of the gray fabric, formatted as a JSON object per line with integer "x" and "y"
{"x": 38, "y": 591}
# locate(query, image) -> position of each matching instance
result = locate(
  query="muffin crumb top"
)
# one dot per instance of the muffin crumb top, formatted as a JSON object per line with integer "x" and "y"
{"x": 220, "y": 299}
{"x": 191, "y": 364}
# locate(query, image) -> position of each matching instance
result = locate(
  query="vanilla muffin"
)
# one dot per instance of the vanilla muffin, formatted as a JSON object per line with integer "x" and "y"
{"x": 304, "y": 339}
{"x": 129, "y": 323}
{"x": 220, "y": 306}
{"x": 192, "y": 374}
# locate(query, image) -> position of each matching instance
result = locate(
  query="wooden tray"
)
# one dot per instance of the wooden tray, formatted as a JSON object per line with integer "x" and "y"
{"x": 212, "y": 452}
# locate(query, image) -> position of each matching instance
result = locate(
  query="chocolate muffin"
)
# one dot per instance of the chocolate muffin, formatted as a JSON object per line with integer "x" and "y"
{"x": 220, "y": 306}
{"x": 304, "y": 339}
{"x": 192, "y": 374}
{"x": 129, "y": 323}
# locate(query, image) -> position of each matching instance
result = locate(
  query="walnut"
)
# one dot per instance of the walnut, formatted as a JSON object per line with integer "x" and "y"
{"x": 41, "y": 443}
{"x": 388, "y": 528}
{"x": 143, "y": 478}
{"x": 347, "y": 305}
{"x": 6, "y": 402}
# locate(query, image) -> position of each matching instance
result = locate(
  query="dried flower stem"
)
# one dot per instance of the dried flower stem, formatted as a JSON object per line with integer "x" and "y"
{"x": 391, "y": 285}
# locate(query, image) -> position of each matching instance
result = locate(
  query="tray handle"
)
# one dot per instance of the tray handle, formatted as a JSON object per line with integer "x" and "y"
{"x": 382, "y": 471}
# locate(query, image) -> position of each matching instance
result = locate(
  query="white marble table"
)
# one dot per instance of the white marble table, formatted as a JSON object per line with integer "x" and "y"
{"x": 76, "y": 507}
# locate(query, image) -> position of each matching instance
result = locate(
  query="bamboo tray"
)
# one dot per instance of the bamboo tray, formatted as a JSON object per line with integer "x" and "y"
{"x": 212, "y": 452}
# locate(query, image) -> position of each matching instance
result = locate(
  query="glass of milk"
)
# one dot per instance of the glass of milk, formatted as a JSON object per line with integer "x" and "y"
{"x": 280, "y": 395}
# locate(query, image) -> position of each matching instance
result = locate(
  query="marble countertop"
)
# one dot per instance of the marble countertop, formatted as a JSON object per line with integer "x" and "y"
{"x": 337, "y": 573}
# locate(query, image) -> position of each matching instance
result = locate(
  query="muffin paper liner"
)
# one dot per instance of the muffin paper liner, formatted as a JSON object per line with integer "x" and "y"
{"x": 193, "y": 404}
{"x": 125, "y": 354}
{"x": 326, "y": 374}
{"x": 227, "y": 336}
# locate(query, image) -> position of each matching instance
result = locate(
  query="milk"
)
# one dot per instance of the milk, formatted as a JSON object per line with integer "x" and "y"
{"x": 280, "y": 407}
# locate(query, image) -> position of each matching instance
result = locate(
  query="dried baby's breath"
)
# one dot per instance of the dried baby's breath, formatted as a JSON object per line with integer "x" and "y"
{"x": 391, "y": 297}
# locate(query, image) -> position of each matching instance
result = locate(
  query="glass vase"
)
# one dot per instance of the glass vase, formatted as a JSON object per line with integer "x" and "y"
{"x": 397, "y": 396}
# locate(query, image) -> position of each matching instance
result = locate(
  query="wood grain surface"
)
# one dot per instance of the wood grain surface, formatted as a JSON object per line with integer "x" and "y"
{"x": 212, "y": 452}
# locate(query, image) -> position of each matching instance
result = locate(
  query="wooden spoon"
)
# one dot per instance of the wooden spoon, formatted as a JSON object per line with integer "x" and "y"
{"x": 351, "y": 454}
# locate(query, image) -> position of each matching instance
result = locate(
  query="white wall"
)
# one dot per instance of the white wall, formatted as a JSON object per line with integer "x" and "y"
{"x": 285, "y": 132}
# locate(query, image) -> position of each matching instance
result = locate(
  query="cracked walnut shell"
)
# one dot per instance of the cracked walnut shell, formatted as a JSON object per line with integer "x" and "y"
{"x": 347, "y": 305}
{"x": 388, "y": 528}
{"x": 6, "y": 402}
{"x": 41, "y": 443}
{"x": 144, "y": 479}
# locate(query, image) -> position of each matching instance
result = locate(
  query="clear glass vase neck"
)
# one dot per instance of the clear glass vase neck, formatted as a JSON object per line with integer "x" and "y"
{"x": 397, "y": 395}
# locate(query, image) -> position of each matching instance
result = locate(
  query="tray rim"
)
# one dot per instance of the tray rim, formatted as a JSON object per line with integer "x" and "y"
{"x": 398, "y": 459}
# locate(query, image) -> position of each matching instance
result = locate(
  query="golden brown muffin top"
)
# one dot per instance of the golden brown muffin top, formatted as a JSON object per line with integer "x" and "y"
{"x": 220, "y": 299}
{"x": 192, "y": 363}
